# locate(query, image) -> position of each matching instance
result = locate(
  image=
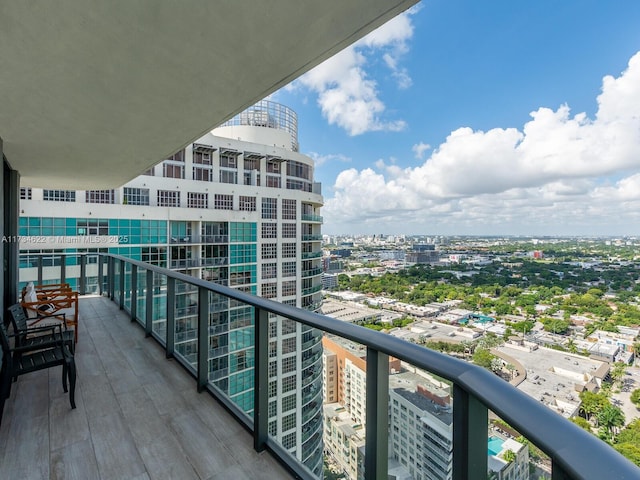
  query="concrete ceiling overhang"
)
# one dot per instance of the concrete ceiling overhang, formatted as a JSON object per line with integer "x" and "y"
{"x": 94, "y": 93}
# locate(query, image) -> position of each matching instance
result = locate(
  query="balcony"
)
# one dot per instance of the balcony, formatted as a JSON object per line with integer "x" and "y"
{"x": 311, "y": 218}
{"x": 308, "y": 255}
{"x": 128, "y": 393}
{"x": 138, "y": 415}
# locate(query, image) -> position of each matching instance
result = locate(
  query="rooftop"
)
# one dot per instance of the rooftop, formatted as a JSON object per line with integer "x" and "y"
{"x": 138, "y": 415}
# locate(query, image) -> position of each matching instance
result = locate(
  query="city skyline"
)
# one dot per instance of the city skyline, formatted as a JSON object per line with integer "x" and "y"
{"x": 495, "y": 119}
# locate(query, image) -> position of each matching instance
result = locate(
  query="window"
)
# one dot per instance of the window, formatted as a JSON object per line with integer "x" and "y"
{"x": 204, "y": 174}
{"x": 172, "y": 171}
{"x": 270, "y": 208}
{"x": 269, "y": 250}
{"x": 269, "y": 270}
{"x": 269, "y": 230}
{"x": 197, "y": 200}
{"x": 242, "y": 253}
{"x": 288, "y": 230}
{"x": 288, "y": 288}
{"x": 289, "y": 441}
{"x": 168, "y": 198}
{"x": 251, "y": 163}
{"x": 288, "y": 250}
{"x": 223, "y": 202}
{"x": 298, "y": 185}
{"x": 136, "y": 196}
{"x": 59, "y": 195}
{"x": 289, "y": 211}
{"x": 273, "y": 182}
{"x": 299, "y": 170}
{"x": 150, "y": 172}
{"x": 289, "y": 365}
{"x": 155, "y": 256}
{"x": 273, "y": 166}
{"x": 242, "y": 232}
{"x": 25, "y": 193}
{"x": 247, "y": 204}
{"x": 269, "y": 290}
{"x": 228, "y": 160}
{"x": 227, "y": 176}
{"x": 177, "y": 157}
{"x": 100, "y": 196}
{"x": 288, "y": 345}
{"x": 289, "y": 269}
{"x": 202, "y": 158}
{"x": 92, "y": 227}
{"x": 288, "y": 384}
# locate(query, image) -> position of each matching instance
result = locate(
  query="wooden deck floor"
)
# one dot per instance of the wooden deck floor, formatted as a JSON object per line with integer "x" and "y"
{"x": 138, "y": 416}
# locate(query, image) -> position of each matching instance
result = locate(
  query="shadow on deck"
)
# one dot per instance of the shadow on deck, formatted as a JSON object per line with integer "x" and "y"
{"x": 138, "y": 416}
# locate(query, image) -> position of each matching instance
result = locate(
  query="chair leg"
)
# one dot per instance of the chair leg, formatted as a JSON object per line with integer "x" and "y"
{"x": 64, "y": 376}
{"x": 72, "y": 382}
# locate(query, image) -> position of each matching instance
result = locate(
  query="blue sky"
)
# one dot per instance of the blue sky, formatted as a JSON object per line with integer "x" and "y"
{"x": 466, "y": 117}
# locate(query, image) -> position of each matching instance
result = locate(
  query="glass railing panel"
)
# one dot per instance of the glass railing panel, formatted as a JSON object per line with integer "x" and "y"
{"x": 127, "y": 286}
{"x": 117, "y": 273}
{"x": 231, "y": 350}
{"x": 186, "y": 324}
{"x": 159, "y": 316}
{"x": 511, "y": 455}
{"x": 142, "y": 291}
{"x": 91, "y": 274}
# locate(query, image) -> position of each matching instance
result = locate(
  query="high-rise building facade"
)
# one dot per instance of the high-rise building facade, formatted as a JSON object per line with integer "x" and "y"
{"x": 238, "y": 207}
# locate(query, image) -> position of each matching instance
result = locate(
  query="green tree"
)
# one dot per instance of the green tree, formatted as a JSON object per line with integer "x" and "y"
{"x": 635, "y": 397}
{"x": 509, "y": 456}
{"x": 483, "y": 358}
{"x": 610, "y": 419}
{"x": 582, "y": 423}
{"x": 592, "y": 403}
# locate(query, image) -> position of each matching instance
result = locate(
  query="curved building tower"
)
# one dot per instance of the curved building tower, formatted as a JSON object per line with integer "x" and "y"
{"x": 237, "y": 207}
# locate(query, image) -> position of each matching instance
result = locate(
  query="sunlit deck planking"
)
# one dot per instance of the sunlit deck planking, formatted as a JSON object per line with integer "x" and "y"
{"x": 138, "y": 416}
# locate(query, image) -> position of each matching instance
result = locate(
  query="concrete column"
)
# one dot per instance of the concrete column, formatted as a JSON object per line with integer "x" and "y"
{"x": 9, "y": 206}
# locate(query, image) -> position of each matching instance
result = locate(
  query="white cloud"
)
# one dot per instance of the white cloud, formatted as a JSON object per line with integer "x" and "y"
{"x": 419, "y": 149}
{"x": 319, "y": 159}
{"x": 347, "y": 95}
{"x": 553, "y": 171}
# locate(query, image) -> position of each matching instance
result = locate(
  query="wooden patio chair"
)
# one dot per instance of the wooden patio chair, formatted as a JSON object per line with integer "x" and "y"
{"x": 20, "y": 360}
{"x": 36, "y": 335}
{"x": 59, "y": 306}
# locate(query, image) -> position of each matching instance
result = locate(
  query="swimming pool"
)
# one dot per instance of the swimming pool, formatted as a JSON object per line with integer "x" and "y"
{"x": 494, "y": 446}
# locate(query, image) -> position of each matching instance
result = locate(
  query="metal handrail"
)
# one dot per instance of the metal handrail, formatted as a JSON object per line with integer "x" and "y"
{"x": 575, "y": 453}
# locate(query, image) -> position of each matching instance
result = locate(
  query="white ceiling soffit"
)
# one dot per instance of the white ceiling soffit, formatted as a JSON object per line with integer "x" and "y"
{"x": 94, "y": 93}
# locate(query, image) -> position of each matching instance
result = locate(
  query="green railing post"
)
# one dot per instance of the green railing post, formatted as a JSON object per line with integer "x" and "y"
{"x": 470, "y": 421}
{"x": 39, "y": 266}
{"x": 148, "y": 324}
{"x": 171, "y": 316}
{"x": 63, "y": 268}
{"x": 558, "y": 473}
{"x": 83, "y": 274}
{"x": 121, "y": 286}
{"x": 261, "y": 380}
{"x": 203, "y": 338}
{"x": 134, "y": 292}
{"x": 100, "y": 275}
{"x": 377, "y": 416}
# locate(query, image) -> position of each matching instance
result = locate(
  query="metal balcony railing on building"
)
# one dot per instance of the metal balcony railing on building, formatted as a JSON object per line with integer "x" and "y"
{"x": 312, "y": 238}
{"x": 312, "y": 272}
{"x": 311, "y": 218}
{"x": 308, "y": 255}
{"x": 574, "y": 453}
